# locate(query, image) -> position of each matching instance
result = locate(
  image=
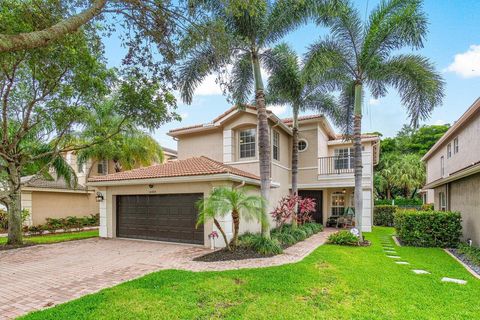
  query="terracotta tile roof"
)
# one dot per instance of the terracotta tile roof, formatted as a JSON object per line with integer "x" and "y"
{"x": 197, "y": 166}
{"x": 39, "y": 182}
{"x": 302, "y": 118}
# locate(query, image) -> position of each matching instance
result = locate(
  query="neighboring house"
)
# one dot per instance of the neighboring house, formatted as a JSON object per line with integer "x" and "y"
{"x": 453, "y": 171}
{"x": 158, "y": 202}
{"x": 56, "y": 199}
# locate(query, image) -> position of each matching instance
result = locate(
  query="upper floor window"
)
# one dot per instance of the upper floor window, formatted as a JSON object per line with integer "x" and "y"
{"x": 344, "y": 158}
{"x": 276, "y": 145}
{"x": 449, "y": 151}
{"x": 442, "y": 166}
{"x": 247, "y": 143}
{"x": 102, "y": 167}
{"x": 302, "y": 145}
{"x": 455, "y": 145}
{"x": 80, "y": 168}
{"x": 442, "y": 199}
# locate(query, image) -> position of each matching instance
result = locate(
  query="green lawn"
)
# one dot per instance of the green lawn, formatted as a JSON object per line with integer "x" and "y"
{"x": 332, "y": 283}
{"x": 59, "y": 237}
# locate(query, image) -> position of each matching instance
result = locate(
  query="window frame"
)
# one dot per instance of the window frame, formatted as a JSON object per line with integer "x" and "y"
{"x": 442, "y": 199}
{"x": 335, "y": 206}
{"x": 449, "y": 151}
{"x": 455, "y": 145}
{"x": 104, "y": 165}
{"x": 442, "y": 166}
{"x": 306, "y": 145}
{"x": 240, "y": 143}
{"x": 350, "y": 161}
{"x": 276, "y": 147}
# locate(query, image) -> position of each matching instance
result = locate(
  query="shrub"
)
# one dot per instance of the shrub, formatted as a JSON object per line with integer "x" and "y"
{"x": 285, "y": 210}
{"x": 246, "y": 239}
{"x": 428, "y": 228}
{"x": 427, "y": 207}
{"x": 266, "y": 246}
{"x": 53, "y": 224}
{"x": 299, "y": 234}
{"x": 316, "y": 227}
{"x": 73, "y": 222}
{"x": 343, "y": 238}
{"x": 415, "y": 202}
{"x": 472, "y": 253}
{"x": 285, "y": 238}
{"x": 3, "y": 219}
{"x": 383, "y": 215}
{"x": 37, "y": 230}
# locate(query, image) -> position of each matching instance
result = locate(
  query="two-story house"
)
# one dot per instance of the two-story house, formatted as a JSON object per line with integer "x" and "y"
{"x": 453, "y": 171}
{"x": 45, "y": 198}
{"x": 158, "y": 202}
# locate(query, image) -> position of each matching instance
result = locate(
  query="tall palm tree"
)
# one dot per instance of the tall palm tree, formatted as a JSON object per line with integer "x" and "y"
{"x": 235, "y": 201}
{"x": 289, "y": 85}
{"x": 237, "y": 35}
{"x": 361, "y": 54}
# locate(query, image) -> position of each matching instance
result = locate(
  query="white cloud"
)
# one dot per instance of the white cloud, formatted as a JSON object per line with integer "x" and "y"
{"x": 184, "y": 115}
{"x": 373, "y": 101}
{"x": 439, "y": 122}
{"x": 466, "y": 64}
{"x": 209, "y": 87}
{"x": 277, "y": 109}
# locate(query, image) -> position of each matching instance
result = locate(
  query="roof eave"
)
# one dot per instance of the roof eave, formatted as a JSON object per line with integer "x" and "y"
{"x": 178, "y": 179}
{"x": 464, "y": 173}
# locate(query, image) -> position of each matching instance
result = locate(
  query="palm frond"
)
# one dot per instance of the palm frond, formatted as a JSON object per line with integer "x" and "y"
{"x": 392, "y": 25}
{"x": 242, "y": 81}
{"x": 420, "y": 86}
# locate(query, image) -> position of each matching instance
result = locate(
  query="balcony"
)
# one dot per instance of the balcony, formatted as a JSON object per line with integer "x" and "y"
{"x": 335, "y": 165}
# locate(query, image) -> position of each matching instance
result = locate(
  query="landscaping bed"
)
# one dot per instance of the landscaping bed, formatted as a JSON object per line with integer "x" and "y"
{"x": 253, "y": 246}
{"x": 469, "y": 256}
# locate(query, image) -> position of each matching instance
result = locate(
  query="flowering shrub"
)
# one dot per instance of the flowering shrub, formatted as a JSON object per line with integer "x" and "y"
{"x": 213, "y": 234}
{"x": 285, "y": 210}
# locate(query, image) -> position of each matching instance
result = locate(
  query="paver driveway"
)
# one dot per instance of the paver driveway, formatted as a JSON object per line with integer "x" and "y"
{"x": 40, "y": 276}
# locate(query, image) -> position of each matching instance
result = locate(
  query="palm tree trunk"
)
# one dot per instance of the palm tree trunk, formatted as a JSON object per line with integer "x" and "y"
{"x": 219, "y": 227}
{"x": 357, "y": 143}
{"x": 15, "y": 235}
{"x": 295, "y": 163}
{"x": 263, "y": 139}
{"x": 41, "y": 38}
{"x": 236, "y": 227}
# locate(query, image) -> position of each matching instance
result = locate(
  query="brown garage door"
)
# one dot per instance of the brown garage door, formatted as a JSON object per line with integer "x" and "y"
{"x": 170, "y": 217}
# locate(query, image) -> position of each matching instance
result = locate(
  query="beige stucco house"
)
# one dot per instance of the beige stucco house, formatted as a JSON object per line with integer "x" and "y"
{"x": 158, "y": 202}
{"x": 56, "y": 199}
{"x": 453, "y": 171}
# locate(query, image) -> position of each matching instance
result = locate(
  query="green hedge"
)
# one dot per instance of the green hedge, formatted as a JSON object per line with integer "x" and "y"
{"x": 428, "y": 228}
{"x": 400, "y": 202}
{"x": 383, "y": 215}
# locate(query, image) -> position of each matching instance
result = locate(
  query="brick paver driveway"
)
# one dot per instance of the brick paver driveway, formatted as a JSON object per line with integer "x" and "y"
{"x": 41, "y": 276}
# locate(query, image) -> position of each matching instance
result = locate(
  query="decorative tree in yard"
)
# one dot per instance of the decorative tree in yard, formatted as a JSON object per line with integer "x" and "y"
{"x": 49, "y": 94}
{"x": 288, "y": 84}
{"x": 234, "y": 42}
{"x": 129, "y": 148}
{"x": 358, "y": 55}
{"x": 223, "y": 201}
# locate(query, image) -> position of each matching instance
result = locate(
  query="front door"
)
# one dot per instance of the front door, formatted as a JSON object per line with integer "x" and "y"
{"x": 317, "y": 195}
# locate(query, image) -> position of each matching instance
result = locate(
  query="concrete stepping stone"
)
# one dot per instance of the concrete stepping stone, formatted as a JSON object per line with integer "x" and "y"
{"x": 390, "y": 252}
{"x": 419, "y": 271}
{"x": 402, "y": 262}
{"x": 393, "y": 257}
{"x": 445, "y": 279}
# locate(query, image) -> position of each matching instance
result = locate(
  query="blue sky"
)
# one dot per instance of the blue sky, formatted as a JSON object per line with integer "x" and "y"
{"x": 453, "y": 44}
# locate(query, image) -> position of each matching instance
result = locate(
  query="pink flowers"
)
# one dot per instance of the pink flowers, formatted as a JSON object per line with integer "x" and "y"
{"x": 213, "y": 234}
{"x": 285, "y": 210}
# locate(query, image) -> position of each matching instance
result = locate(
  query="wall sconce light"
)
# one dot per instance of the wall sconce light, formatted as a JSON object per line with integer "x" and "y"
{"x": 99, "y": 197}
{"x": 344, "y": 191}
{"x": 150, "y": 186}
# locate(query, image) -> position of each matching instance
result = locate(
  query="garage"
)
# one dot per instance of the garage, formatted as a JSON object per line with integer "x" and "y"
{"x": 167, "y": 217}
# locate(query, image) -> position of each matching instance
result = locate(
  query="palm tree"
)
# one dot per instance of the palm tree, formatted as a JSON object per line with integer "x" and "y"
{"x": 128, "y": 148}
{"x": 409, "y": 174}
{"x": 358, "y": 55}
{"x": 289, "y": 85}
{"x": 237, "y": 35}
{"x": 235, "y": 201}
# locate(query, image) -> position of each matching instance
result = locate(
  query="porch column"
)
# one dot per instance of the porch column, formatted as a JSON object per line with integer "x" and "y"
{"x": 26, "y": 204}
{"x": 367, "y": 210}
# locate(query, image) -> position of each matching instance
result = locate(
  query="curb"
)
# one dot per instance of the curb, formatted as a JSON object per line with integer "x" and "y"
{"x": 476, "y": 275}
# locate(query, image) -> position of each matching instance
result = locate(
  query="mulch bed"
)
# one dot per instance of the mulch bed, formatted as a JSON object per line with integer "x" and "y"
{"x": 466, "y": 260}
{"x": 240, "y": 253}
